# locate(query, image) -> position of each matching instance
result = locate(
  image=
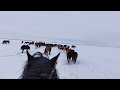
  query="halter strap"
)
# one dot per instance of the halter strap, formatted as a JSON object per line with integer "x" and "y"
{"x": 39, "y": 54}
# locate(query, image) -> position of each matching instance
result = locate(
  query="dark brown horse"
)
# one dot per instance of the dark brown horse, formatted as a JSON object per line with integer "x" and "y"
{"x": 72, "y": 55}
{"x": 37, "y": 44}
{"x": 67, "y": 49}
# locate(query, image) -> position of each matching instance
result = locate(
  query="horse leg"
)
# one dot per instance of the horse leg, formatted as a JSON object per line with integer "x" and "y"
{"x": 74, "y": 60}
{"x": 49, "y": 52}
{"x": 68, "y": 58}
{"x": 68, "y": 61}
{"x": 27, "y": 50}
{"x": 46, "y": 53}
{"x": 22, "y": 50}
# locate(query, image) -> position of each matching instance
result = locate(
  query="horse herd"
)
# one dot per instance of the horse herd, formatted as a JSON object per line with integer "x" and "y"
{"x": 38, "y": 66}
{"x": 70, "y": 53}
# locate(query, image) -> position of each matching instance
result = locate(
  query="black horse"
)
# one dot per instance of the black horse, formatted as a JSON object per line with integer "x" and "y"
{"x": 23, "y": 47}
{"x": 26, "y": 43}
{"x": 31, "y": 43}
{"x": 40, "y": 67}
{"x": 6, "y": 41}
{"x": 73, "y": 46}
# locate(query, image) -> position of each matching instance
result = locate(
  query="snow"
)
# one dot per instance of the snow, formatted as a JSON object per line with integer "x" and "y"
{"x": 95, "y": 34}
{"x": 93, "y": 62}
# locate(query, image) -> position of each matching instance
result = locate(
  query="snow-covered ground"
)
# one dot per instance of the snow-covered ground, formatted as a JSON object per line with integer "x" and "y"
{"x": 93, "y": 62}
{"x": 96, "y": 35}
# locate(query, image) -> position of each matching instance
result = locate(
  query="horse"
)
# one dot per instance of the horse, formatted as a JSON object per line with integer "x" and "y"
{"x": 67, "y": 49}
{"x": 38, "y": 44}
{"x": 26, "y": 43}
{"x": 73, "y": 46}
{"x": 60, "y": 47}
{"x": 23, "y": 47}
{"x": 71, "y": 54}
{"x": 22, "y": 42}
{"x": 38, "y": 66}
{"x": 5, "y": 41}
{"x": 48, "y": 50}
{"x": 31, "y": 43}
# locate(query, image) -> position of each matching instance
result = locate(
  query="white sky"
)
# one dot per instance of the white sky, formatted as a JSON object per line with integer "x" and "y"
{"x": 81, "y": 25}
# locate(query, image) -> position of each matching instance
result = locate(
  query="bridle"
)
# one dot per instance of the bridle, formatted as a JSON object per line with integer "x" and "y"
{"x": 39, "y": 54}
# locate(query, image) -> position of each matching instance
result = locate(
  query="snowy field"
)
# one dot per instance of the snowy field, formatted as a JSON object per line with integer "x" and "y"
{"x": 93, "y": 62}
{"x": 95, "y": 34}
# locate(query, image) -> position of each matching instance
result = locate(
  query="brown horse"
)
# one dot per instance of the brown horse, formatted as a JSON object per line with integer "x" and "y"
{"x": 67, "y": 49}
{"x": 71, "y": 54}
{"x": 37, "y": 44}
{"x": 48, "y": 50}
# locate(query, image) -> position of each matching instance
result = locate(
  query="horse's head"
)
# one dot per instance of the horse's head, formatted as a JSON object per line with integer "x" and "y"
{"x": 39, "y": 66}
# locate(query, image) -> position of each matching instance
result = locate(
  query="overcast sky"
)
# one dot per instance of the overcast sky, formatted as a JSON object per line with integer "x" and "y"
{"x": 82, "y": 25}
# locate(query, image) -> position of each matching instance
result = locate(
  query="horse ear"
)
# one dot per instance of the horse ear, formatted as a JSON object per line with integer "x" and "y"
{"x": 30, "y": 57}
{"x": 54, "y": 59}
